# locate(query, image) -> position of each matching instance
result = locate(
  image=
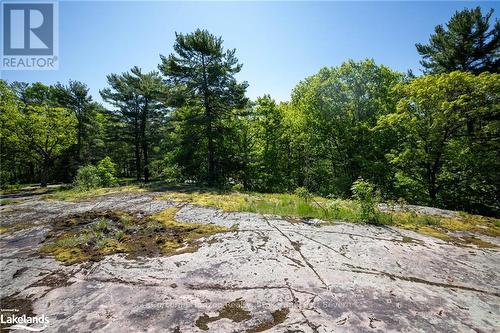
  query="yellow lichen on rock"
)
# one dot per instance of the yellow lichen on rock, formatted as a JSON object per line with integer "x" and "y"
{"x": 187, "y": 230}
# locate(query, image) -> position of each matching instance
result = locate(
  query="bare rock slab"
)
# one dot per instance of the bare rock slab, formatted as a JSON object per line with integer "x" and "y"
{"x": 266, "y": 275}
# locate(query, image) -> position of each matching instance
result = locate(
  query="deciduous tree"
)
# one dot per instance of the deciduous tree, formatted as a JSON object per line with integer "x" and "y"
{"x": 43, "y": 130}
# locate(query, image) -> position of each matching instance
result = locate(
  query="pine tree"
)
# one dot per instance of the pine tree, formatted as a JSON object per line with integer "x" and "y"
{"x": 202, "y": 73}
{"x": 76, "y": 98}
{"x": 466, "y": 44}
{"x": 137, "y": 95}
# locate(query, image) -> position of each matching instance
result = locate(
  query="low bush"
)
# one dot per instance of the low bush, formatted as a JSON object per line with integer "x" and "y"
{"x": 365, "y": 196}
{"x": 237, "y": 187}
{"x": 106, "y": 169}
{"x": 303, "y": 193}
{"x": 87, "y": 178}
{"x": 91, "y": 177}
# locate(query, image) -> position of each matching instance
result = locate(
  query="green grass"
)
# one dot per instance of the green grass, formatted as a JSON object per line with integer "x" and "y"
{"x": 9, "y": 201}
{"x": 73, "y": 240}
{"x": 339, "y": 209}
{"x": 291, "y": 205}
{"x": 75, "y": 195}
{"x": 270, "y": 203}
{"x": 12, "y": 188}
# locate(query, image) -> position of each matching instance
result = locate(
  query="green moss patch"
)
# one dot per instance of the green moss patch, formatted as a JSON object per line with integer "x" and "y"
{"x": 441, "y": 233}
{"x": 3, "y": 230}
{"x": 269, "y": 203}
{"x": 470, "y": 240}
{"x": 9, "y": 201}
{"x": 13, "y": 227}
{"x": 237, "y": 312}
{"x": 278, "y": 317}
{"x": 234, "y": 311}
{"x": 91, "y": 236}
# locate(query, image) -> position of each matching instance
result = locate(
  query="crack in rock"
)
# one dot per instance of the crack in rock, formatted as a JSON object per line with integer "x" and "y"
{"x": 362, "y": 270}
{"x": 296, "y": 247}
{"x": 295, "y": 301}
{"x": 322, "y": 244}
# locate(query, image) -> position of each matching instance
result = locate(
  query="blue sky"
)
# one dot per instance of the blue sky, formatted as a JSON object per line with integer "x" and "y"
{"x": 279, "y": 43}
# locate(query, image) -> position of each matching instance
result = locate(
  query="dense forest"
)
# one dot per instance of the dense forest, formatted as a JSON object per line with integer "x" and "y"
{"x": 431, "y": 139}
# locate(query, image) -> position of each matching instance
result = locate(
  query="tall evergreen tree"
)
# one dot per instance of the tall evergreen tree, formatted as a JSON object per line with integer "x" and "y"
{"x": 202, "y": 72}
{"x": 465, "y": 44}
{"x": 76, "y": 98}
{"x": 136, "y": 95}
{"x": 122, "y": 96}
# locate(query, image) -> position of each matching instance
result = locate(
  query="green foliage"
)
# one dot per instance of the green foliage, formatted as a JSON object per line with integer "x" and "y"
{"x": 34, "y": 126}
{"x": 76, "y": 98}
{"x": 333, "y": 115}
{"x": 445, "y": 126}
{"x": 203, "y": 73}
{"x": 465, "y": 44}
{"x": 87, "y": 177}
{"x": 268, "y": 142}
{"x": 364, "y": 193}
{"x": 101, "y": 226}
{"x": 238, "y": 187}
{"x": 119, "y": 235}
{"x": 91, "y": 177}
{"x": 75, "y": 240}
{"x": 106, "y": 170}
{"x": 303, "y": 193}
{"x": 140, "y": 114}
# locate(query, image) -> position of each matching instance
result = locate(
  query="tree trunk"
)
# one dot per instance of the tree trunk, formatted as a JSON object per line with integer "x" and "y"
{"x": 144, "y": 141}
{"x": 137, "y": 152}
{"x": 146, "y": 161}
{"x": 211, "y": 155}
{"x": 246, "y": 173}
{"x": 431, "y": 184}
{"x": 432, "y": 192}
{"x": 44, "y": 177}
{"x": 79, "y": 143}
{"x": 432, "y": 173}
{"x": 209, "y": 131}
{"x": 31, "y": 173}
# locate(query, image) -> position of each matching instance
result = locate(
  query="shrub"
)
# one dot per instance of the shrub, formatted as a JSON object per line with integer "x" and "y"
{"x": 106, "y": 169}
{"x": 303, "y": 193}
{"x": 334, "y": 208}
{"x": 87, "y": 178}
{"x": 237, "y": 187}
{"x": 366, "y": 198}
{"x": 90, "y": 176}
{"x": 5, "y": 179}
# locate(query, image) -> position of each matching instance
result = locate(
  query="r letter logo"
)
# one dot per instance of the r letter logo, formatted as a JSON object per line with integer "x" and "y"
{"x": 29, "y": 32}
